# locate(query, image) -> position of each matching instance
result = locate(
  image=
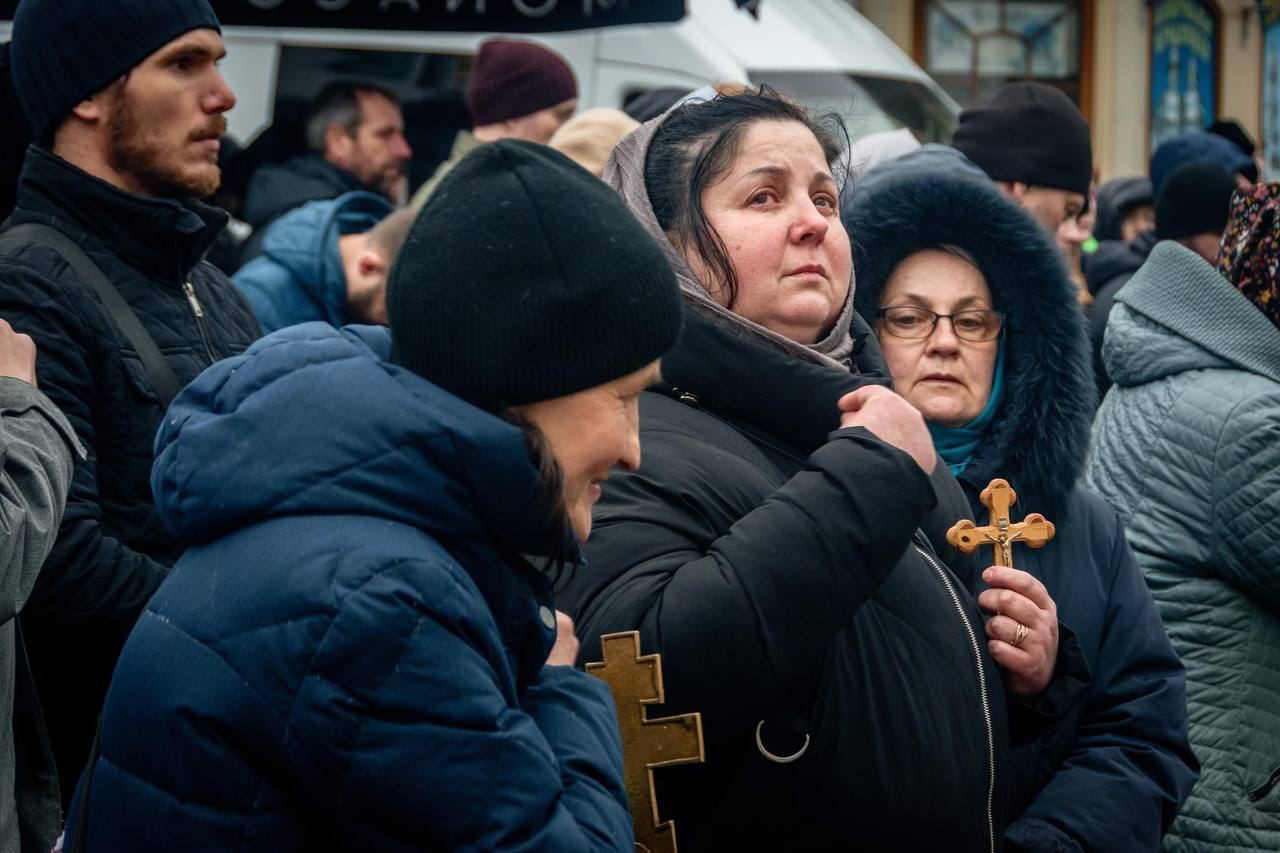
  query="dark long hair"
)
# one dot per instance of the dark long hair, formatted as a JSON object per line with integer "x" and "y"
{"x": 697, "y": 144}
{"x": 553, "y": 513}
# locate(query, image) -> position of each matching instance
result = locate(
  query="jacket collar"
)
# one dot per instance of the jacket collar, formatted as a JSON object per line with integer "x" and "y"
{"x": 791, "y": 399}
{"x": 161, "y": 237}
{"x": 1176, "y": 289}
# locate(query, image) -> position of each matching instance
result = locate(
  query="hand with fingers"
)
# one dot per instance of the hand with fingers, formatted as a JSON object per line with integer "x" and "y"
{"x": 1023, "y": 631}
{"x": 891, "y": 419}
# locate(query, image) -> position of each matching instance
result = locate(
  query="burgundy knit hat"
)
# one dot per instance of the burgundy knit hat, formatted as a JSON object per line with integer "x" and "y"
{"x": 1250, "y": 256}
{"x": 511, "y": 79}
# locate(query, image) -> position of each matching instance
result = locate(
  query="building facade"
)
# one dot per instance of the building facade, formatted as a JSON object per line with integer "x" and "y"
{"x": 1140, "y": 70}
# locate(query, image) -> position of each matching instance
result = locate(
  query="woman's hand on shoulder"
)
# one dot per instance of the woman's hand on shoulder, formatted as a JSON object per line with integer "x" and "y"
{"x": 1028, "y": 653}
{"x": 892, "y": 420}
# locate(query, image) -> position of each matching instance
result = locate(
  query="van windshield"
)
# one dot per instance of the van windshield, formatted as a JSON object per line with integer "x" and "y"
{"x": 868, "y": 104}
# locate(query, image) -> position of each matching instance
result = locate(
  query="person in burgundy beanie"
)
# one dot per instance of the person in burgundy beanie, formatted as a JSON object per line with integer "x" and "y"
{"x": 517, "y": 90}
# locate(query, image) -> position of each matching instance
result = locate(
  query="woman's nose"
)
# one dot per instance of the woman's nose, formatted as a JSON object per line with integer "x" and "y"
{"x": 811, "y": 224}
{"x": 943, "y": 337}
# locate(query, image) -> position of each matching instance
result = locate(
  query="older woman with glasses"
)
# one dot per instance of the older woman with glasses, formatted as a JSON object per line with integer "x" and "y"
{"x": 982, "y": 333}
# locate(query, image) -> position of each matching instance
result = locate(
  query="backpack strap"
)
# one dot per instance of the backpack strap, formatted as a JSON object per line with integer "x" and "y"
{"x": 163, "y": 379}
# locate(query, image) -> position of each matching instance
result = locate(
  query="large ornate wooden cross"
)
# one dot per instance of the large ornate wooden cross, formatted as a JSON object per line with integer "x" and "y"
{"x": 1033, "y": 531}
{"x": 646, "y": 744}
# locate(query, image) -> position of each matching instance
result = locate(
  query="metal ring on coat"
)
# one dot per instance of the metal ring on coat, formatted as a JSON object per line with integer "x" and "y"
{"x": 779, "y": 759}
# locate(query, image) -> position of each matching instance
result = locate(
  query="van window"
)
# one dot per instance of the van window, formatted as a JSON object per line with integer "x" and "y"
{"x": 429, "y": 86}
{"x": 868, "y": 104}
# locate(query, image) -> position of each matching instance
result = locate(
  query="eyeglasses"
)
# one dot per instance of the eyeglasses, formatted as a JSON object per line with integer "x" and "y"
{"x": 908, "y": 321}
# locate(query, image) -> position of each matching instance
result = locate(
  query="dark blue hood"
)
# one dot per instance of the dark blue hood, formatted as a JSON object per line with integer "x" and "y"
{"x": 1195, "y": 146}
{"x": 313, "y": 420}
{"x": 1115, "y": 199}
{"x": 299, "y": 276}
{"x": 1040, "y": 435}
{"x": 305, "y": 243}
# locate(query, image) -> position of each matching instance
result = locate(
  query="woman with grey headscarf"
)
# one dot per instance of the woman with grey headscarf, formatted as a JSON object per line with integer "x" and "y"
{"x": 777, "y": 545}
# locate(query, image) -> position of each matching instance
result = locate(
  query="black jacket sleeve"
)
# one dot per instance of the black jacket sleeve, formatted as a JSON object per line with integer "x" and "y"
{"x": 739, "y": 583}
{"x": 89, "y": 576}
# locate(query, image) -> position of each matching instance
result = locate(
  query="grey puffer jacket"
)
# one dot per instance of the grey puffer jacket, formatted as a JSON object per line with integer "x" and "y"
{"x": 1186, "y": 446}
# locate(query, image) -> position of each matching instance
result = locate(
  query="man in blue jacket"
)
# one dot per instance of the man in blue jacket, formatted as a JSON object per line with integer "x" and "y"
{"x": 326, "y": 261}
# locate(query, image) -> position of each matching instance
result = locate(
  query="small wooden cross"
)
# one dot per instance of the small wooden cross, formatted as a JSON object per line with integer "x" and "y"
{"x": 1033, "y": 531}
{"x": 646, "y": 744}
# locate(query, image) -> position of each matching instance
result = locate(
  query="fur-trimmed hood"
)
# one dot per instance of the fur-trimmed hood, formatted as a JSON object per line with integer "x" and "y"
{"x": 1041, "y": 433}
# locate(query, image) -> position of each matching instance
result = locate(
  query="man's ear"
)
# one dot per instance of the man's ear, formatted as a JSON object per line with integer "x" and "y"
{"x": 91, "y": 108}
{"x": 371, "y": 263}
{"x": 337, "y": 144}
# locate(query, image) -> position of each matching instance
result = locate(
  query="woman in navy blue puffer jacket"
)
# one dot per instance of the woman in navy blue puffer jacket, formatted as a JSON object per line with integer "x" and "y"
{"x": 352, "y": 657}
{"x": 982, "y": 332}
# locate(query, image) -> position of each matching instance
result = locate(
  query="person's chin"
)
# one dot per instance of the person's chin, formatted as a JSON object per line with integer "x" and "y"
{"x": 202, "y": 179}
{"x": 806, "y": 325}
{"x": 947, "y": 416}
{"x": 580, "y": 521}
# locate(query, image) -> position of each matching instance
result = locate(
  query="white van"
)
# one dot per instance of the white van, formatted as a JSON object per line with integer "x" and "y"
{"x": 821, "y": 51}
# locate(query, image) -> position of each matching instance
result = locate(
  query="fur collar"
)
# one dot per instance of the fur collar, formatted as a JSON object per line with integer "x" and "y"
{"x": 1040, "y": 436}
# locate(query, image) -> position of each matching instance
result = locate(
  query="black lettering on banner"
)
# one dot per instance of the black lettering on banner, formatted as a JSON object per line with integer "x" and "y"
{"x": 512, "y": 16}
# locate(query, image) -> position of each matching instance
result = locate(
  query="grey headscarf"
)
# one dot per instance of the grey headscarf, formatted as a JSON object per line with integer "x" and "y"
{"x": 625, "y": 173}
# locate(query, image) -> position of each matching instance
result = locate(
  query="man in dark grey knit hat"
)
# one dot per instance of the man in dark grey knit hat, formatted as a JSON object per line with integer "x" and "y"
{"x": 1034, "y": 143}
{"x": 1029, "y": 139}
{"x": 125, "y": 103}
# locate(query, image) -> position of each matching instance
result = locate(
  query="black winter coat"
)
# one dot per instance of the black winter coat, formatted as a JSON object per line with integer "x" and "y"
{"x": 112, "y": 549}
{"x": 1111, "y": 267}
{"x": 781, "y": 570}
{"x": 276, "y": 189}
{"x": 1110, "y": 776}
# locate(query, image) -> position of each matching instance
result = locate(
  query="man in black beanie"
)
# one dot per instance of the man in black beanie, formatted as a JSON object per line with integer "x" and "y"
{"x": 1193, "y": 207}
{"x": 125, "y": 103}
{"x": 1034, "y": 143}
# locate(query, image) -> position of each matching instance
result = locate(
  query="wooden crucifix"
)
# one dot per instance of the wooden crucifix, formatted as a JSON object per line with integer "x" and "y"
{"x": 636, "y": 681}
{"x": 1033, "y": 531}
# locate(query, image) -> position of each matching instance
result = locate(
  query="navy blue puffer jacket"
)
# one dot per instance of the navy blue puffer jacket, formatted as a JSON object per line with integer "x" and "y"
{"x": 352, "y": 656}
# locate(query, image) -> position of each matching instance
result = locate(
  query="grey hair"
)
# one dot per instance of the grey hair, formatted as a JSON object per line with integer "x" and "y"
{"x": 339, "y": 103}
{"x": 956, "y": 251}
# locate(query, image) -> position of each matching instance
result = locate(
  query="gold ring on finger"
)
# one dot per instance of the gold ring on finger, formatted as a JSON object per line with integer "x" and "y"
{"x": 1019, "y": 635}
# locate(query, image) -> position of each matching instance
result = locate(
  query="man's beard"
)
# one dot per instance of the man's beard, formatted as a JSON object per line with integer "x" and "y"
{"x": 131, "y": 151}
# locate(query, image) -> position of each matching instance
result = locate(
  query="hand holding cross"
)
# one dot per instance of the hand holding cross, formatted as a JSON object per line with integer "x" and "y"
{"x": 1023, "y": 631}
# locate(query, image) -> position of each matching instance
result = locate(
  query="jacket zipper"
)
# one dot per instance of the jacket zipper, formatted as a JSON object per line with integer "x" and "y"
{"x": 982, "y": 691}
{"x": 1266, "y": 787}
{"x": 198, "y": 310}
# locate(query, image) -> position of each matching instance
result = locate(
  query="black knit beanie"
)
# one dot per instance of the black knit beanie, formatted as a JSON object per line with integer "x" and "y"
{"x": 1194, "y": 199}
{"x": 66, "y": 50}
{"x": 525, "y": 278}
{"x": 1029, "y": 133}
